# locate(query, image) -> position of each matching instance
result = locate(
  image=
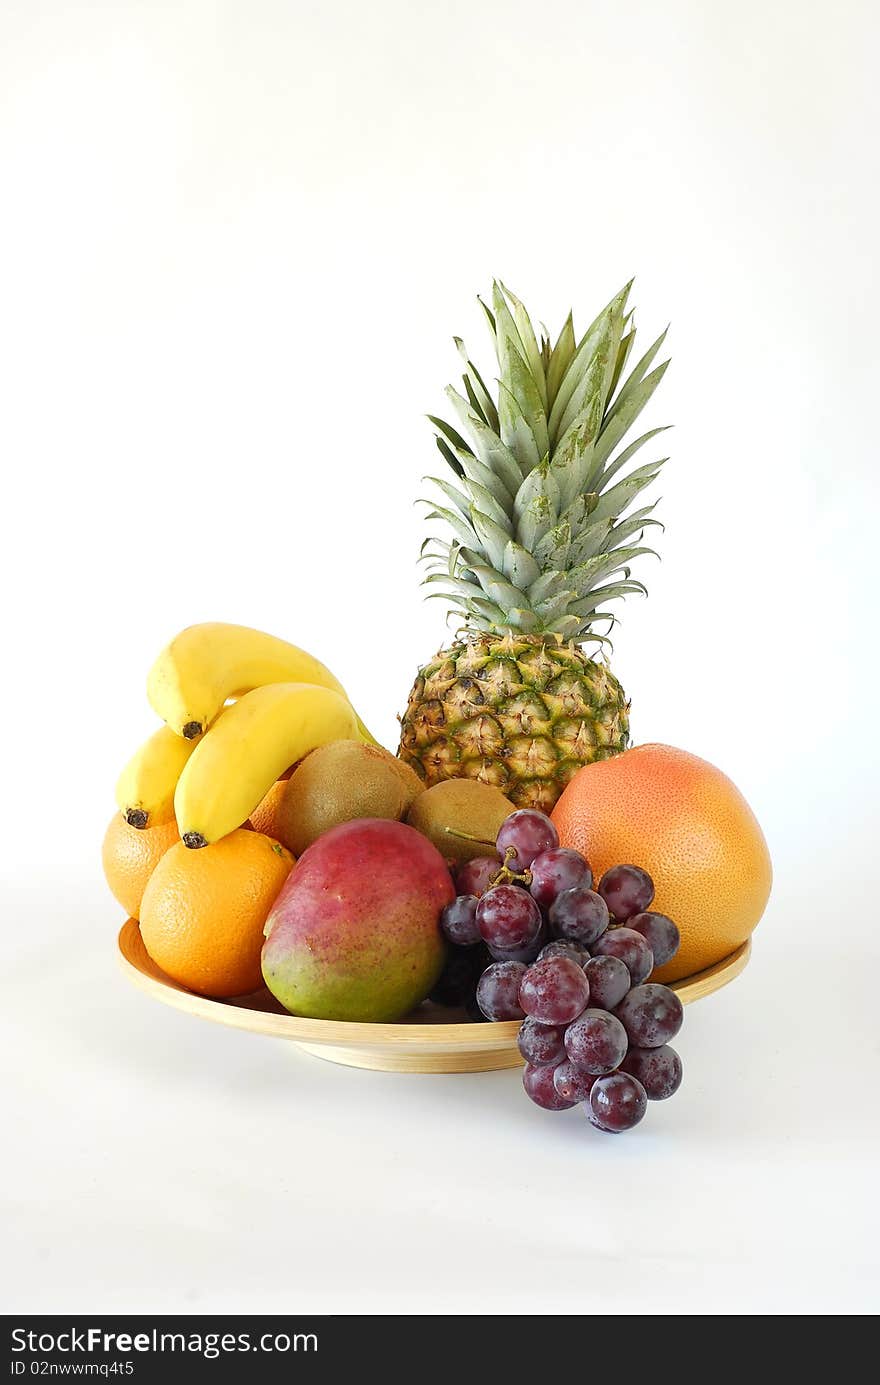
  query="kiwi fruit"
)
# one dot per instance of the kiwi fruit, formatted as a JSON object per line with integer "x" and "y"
{"x": 461, "y": 817}
{"x": 338, "y": 782}
{"x": 412, "y": 784}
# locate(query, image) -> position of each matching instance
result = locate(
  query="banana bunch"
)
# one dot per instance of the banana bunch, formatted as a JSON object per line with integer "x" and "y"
{"x": 212, "y": 763}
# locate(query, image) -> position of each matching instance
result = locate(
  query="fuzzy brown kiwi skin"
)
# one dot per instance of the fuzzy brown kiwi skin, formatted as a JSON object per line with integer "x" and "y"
{"x": 410, "y": 783}
{"x": 339, "y": 781}
{"x": 460, "y": 816}
{"x": 413, "y": 785}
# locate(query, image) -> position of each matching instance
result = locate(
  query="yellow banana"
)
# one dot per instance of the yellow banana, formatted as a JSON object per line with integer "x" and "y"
{"x": 145, "y": 788}
{"x": 206, "y": 664}
{"x": 237, "y": 761}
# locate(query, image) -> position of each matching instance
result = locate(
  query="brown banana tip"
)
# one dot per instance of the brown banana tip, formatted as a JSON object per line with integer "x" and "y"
{"x": 194, "y": 840}
{"x": 192, "y": 729}
{"x": 136, "y": 817}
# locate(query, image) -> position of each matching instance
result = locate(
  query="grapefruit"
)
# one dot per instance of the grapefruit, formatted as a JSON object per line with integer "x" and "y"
{"x": 688, "y": 825}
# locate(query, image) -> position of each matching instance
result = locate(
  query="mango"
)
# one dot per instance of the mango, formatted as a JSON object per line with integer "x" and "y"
{"x": 354, "y": 933}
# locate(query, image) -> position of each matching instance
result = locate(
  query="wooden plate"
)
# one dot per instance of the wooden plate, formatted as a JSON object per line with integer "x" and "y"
{"x": 431, "y": 1039}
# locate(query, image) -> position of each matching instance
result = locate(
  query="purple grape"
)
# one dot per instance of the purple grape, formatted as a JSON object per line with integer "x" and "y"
{"x": 609, "y": 981}
{"x": 556, "y": 870}
{"x": 566, "y": 947}
{"x": 659, "y": 932}
{"x": 571, "y": 1083}
{"x": 498, "y": 991}
{"x": 529, "y": 833}
{"x": 651, "y": 1015}
{"x": 541, "y": 1044}
{"x": 527, "y": 954}
{"x": 538, "y": 1083}
{"x": 508, "y": 917}
{"x": 596, "y": 1042}
{"x": 631, "y": 949}
{"x": 554, "y": 991}
{"x": 658, "y": 1070}
{"x": 458, "y": 921}
{"x": 475, "y": 877}
{"x": 627, "y": 890}
{"x": 617, "y": 1102}
{"x": 579, "y": 914}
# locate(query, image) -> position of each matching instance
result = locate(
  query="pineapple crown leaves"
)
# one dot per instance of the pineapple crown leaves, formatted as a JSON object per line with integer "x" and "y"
{"x": 539, "y": 498}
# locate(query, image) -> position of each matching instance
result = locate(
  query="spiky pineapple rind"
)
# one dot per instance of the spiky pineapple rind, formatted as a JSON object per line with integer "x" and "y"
{"x": 523, "y": 713}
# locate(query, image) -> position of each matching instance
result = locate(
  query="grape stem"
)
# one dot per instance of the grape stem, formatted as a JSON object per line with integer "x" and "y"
{"x": 507, "y": 876}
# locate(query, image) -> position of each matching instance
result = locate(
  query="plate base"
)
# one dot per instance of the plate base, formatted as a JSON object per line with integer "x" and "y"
{"x": 378, "y": 1060}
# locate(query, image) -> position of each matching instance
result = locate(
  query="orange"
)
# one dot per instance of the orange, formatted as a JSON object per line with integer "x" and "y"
{"x": 266, "y": 817}
{"x": 203, "y": 911}
{"x": 685, "y": 823}
{"x": 130, "y": 855}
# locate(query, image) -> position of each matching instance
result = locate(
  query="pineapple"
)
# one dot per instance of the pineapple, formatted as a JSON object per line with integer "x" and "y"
{"x": 542, "y": 537}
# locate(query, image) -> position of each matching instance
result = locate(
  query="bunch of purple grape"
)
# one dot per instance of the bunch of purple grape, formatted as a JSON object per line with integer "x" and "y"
{"x": 532, "y": 940}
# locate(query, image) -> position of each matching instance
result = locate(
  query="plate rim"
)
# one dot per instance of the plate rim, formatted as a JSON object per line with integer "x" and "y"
{"x": 356, "y": 1034}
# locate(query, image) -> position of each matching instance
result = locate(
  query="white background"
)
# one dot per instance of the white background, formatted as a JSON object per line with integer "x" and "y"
{"x": 236, "y": 243}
